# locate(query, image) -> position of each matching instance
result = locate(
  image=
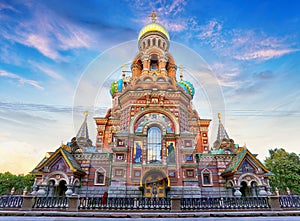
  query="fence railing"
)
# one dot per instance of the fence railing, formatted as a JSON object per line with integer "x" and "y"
{"x": 224, "y": 203}
{"x": 11, "y": 201}
{"x": 124, "y": 203}
{"x": 76, "y": 203}
{"x": 289, "y": 201}
{"x": 51, "y": 202}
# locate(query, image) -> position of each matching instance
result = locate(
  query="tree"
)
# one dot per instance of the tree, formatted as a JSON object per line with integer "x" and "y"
{"x": 286, "y": 169}
{"x": 19, "y": 182}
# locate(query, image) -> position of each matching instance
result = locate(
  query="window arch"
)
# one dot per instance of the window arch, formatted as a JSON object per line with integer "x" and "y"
{"x": 159, "y": 43}
{"x": 154, "y": 145}
{"x": 100, "y": 176}
{"x": 206, "y": 176}
{"x": 153, "y": 42}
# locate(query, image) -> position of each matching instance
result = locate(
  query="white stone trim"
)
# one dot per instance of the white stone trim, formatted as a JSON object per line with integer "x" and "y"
{"x": 100, "y": 170}
{"x": 206, "y": 171}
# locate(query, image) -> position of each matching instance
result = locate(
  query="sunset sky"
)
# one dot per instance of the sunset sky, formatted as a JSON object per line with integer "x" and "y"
{"x": 47, "y": 49}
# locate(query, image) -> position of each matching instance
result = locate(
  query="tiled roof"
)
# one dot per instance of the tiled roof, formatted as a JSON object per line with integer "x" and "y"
{"x": 72, "y": 160}
{"x": 68, "y": 157}
{"x": 238, "y": 159}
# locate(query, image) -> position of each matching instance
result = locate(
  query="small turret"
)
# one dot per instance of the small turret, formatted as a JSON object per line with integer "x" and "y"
{"x": 82, "y": 136}
{"x": 223, "y": 143}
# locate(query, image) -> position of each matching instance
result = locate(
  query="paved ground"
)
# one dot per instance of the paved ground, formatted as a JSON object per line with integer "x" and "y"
{"x": 17, "y": 218}
{"x": 78, "y": 216}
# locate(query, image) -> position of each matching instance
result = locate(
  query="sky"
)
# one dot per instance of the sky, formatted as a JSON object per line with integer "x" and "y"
{"x": 48, "y": 50}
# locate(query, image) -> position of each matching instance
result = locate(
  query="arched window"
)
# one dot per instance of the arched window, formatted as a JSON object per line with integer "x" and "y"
{"x": 206, "y": 177}
{"x": 159, "y": 42}
{"x": 154, "y": 145}
{"x": 100, "y": 176}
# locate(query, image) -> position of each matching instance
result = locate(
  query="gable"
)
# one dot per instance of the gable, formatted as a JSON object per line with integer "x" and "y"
{"x": 247, "y": 167}
{"x": 245, "y": 162}
{"x": 60, "y": 160}
{"x": 58, "y": 164}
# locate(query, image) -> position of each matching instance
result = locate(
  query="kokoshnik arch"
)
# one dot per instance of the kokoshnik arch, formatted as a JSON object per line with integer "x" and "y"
{"x": 151, "y": 143}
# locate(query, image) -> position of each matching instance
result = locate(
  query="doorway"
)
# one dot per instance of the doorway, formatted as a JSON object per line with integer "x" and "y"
{"x": 61, "y": 188}
{"x": 245, "y": 190}
{"x": 155, "y": 184}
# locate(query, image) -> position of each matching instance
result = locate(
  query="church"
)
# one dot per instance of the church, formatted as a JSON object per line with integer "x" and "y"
{"x": 151, "y": 142}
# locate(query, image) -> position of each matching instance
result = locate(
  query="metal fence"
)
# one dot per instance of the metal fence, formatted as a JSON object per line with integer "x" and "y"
{"x": 11, "y": 201}
{"x": 162, "y": 204}
{"x": 51, "y": 202}
{"x": 289, "y": 201}
{"x": 125, "y": 203}
{"x": 207, "y": 203}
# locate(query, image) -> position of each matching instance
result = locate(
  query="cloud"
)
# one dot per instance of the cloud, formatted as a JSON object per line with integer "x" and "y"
{"x": 8, "y": 107}
{"x": 20, "y": 79}
{"x": 212, "y": 29}
{"x": 227, "y": 74}
{"x": 242, "y": 44}
{"x": 41, "y": 43}
{"x": 264, "y": 54}
{"x": 264, "y": 75}
{"x": 41, "y": 29}
{"x": 167, "y": 12}
{"x": 4, "y": 6}
{"x": 47, "y": 71}
{"x": 252, "y": 84}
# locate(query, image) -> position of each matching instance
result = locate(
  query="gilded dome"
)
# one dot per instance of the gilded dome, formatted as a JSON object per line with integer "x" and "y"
{"x": 154, "y": 27}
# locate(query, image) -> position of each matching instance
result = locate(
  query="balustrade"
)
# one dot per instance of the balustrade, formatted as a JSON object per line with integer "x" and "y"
{"x": 289, "y": 201}
{"x": 210, "y": 203}
{"x": 124, "y": 203}
{"x": 129, "y": 204}
{"x": 51, "y": 202}
{"x": 11, "y": 201}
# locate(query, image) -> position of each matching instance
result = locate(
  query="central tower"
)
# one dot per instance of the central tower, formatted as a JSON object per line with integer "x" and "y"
{"x": 152, "y": 129}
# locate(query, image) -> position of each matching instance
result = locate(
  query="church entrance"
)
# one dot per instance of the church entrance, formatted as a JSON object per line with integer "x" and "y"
{"x": 245, "y": 190}
{"x": 155, "y": 184}
{"x": 61, "y": 188}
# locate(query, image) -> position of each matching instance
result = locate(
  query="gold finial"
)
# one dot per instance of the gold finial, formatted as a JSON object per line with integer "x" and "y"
{"x": 219, "y": 116}
{"x": 86, "y": 113}
{"x": 180, "y": 71}
{"x": 153, "y": 16}
{"x": 123, "y": 71}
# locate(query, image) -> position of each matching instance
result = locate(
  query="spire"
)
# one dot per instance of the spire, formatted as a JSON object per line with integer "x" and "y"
{"x": 123, "y": 71}
{"x": 180, "y": 75}
{"x": 221, "y": 130}
{"x": 82, "y": 136}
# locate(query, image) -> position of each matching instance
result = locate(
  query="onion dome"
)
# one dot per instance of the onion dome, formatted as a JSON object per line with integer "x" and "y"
{"x": 187, "y": 86}
{"x": 154, "y": 27}
{"x": 116, "y": 86}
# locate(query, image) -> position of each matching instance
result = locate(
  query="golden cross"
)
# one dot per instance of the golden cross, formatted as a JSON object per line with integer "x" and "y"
{"x": 153, "y": 16}
{"x": 180, "y": 71}
{"x": 123, "y": 71}
{"x": 219, "y": 116}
